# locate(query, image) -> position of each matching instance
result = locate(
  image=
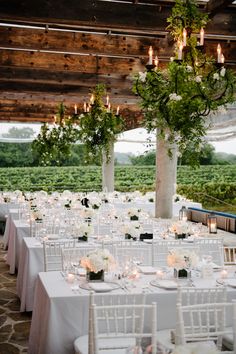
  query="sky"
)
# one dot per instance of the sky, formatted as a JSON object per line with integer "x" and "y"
{"x": 139, "y": 136}
{"x": 228, "y": 146}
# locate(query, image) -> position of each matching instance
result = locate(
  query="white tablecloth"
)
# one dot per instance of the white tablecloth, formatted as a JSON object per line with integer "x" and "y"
{"x": 60, "y": 316}
{"x": 18, "y": 230}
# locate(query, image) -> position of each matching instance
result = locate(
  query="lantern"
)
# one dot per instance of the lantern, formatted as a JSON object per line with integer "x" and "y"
{"x": 183, "y": 214}
{"x": 212, "y": 224}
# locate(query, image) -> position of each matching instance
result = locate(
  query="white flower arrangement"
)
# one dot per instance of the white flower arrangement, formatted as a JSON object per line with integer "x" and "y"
{"x": 133, "y": 212}
{"x": 133, "y": 229}
{"x": 37, "y": 215}
{"x": 216, "y": 76}
{"x": 181, "y": 227}
{"x": 198, "y": 348}
{"x": 95, "y": 202}
{"x": 180, "y": 258}
{"x": 84, "y": 229}
{"x": 97, "y": 260}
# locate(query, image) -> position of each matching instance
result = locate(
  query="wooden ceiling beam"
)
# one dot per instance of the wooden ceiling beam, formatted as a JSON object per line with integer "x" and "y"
{"x": 104, "y": 14}
{"x": 70, "y": 62}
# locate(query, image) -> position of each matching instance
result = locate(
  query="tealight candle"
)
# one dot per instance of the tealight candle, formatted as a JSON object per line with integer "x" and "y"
{"x": 70, "y": 278}
{"x": 159, "y": 274}
{"x": 224, "y": 274}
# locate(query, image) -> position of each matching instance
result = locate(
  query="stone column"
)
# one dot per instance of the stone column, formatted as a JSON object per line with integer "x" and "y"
{"x": 166, "y": 175}
{"x": 108, "y": 171}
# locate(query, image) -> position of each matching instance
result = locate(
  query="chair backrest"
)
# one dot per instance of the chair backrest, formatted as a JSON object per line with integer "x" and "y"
{"x": 121, "y": 322}
{"x": 229, "y": 255}
{"x": 52, "y": 253}
{"x": 107, "y": 300}
{"x": 192, "y": 296}
{"x": 204, "y": 322}
{"x": 212, "y": 247}
{"x": 139, "y": 253}
{"x": 70, "y": 257}
{"x": 160, "y": 250}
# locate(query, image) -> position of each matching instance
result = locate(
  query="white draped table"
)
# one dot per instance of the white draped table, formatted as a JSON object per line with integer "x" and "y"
{"x": 17, "y": 230}
{"x": 60, "y": 315}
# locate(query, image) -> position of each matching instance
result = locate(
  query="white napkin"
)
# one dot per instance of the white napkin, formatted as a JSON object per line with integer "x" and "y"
{"x": 168, "y": 284}
{"x": 231, "y": 282}
{"x": 100, "y": 286}
{"x": 147, "y": 270}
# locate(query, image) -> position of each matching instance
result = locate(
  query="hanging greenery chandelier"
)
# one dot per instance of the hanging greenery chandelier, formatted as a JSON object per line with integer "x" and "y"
{"x": 99, "y": 125}
{"x": 177, "y": 99}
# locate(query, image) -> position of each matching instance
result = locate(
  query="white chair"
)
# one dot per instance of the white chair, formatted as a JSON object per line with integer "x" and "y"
{"x": 114, "y": 328}
{"x": 191, "y": 296}
{"x": 70, "y": 257}
{"x": 139, "y": 253}
{"x": 52, "y": 253}
{"x": 204, "y": 323}
{"x": 212, "y": 247}
{"x": 229, "y": 255}
{"x": 160, "y": 251}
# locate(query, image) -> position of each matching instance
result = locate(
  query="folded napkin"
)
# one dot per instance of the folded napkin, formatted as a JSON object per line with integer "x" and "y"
{"x": 100, "y": 286}
{"x": 168, "y": 284}
{"x": 147, "y": 270}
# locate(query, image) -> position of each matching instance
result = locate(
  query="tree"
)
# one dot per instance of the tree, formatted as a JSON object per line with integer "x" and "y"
{"x": 19, "y": 133}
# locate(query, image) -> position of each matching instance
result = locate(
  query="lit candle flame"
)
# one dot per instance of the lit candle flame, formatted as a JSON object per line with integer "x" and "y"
{"x": 107, "y": 100}
{"x": 75, "y": 109}
{"x": 156, "y": 61}
{"x": 85, "y": 107}
{"x": 92, "y": 99}
{"x": 117, "y": 110}
{"x": 218, "y": 53}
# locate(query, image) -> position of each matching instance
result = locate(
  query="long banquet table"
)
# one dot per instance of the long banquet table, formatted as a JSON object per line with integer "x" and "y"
{"x": 60, "y": 314}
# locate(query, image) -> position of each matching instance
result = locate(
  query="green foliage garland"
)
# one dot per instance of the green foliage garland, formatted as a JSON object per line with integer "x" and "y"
{"x": 100, "y": 126}
{"x": 53, "y": 143}
{"x": 176, "y": 100}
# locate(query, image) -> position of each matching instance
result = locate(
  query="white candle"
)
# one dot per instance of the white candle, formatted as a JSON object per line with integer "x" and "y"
{"x": 218, "y": 53}
{"x": 55, "y": 119}
{"x": 107, "y": 100}
{"x": 180, "y": 50}
{"x": 117, "y": 110}
{"x": 222, "y": 59}
{"x": 85, "y": 107}
{"x": 202, "y": 36}
{"x": 150, "y": 53}
{"x": 109, "y": 107}
{"x": 224, "y": 274}
{"x": 156, "y": 62}
{"x": 159, "y": 274}
{"x": 184, "y": 37}
{"x": 92, "y": 99}
{"x": 75, "y": 109}
{"x": 70, "y": 278}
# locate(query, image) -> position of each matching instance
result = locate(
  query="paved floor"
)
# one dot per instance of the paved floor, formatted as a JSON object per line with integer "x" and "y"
{"x": 14, "y": 326}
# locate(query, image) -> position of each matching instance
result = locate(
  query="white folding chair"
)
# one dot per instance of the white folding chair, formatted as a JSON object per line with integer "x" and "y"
{"x": 212, "y": 247}
{"x": 52, "y": 253}
{"x": 229, "y": 255}
{"x": 114, "y": 328}
{"x": 204, "y": 323}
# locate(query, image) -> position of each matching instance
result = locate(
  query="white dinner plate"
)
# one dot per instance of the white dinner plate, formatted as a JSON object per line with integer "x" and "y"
{"x": 231, "y": 282}
{"x": 165, "y": 284}
{"x": 147, "y": 270}
{"x": 53, "y": 237}
{"x": 100, "y": 287}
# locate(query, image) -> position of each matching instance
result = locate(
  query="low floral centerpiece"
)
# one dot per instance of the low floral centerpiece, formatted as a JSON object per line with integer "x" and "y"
{"x": 198, "y": 348}
{"x": 84, "y": 230}
{"x": 37, "y": 215}
{"x": 182, "y": 260}
{"x": 181, "y": 229}
{"x": 131, "y": 230}
{"x": 95, "y": 202}
{"x": 134, "y": 213}
{"x": 87, "y": 213}
{"x": 96, "y": 263}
